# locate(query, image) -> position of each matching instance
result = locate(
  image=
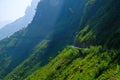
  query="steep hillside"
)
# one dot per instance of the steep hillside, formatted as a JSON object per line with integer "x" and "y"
{"x": 58, "y": 38}
{"x": 97, "y": 54}
{"x": 93, "y": 63}
{"x": 20, "y": 23}
{"x": 102, "y": 25}
{"x": 67, "y": 40}
{"x": 19, "y": 46}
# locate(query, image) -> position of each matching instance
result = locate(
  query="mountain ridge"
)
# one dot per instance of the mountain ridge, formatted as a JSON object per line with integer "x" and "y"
{"x": 19, "y": 23}
{"x": 73, "y": 40}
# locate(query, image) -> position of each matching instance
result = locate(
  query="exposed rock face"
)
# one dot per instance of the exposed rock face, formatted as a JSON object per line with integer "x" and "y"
{"x": 20, "y": 23}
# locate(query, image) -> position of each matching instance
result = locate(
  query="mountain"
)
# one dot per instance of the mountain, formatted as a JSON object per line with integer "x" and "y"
{"x": 66, "y": 40}
{"x": 24, "y": 41}
{"x": 3, "y": 23}
{"x": 20, "y": 23}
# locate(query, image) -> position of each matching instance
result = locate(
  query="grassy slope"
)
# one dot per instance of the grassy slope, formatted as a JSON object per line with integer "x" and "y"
{"x": 80, "y": 64}
{"x": 26, "y": 68}
{"x": 94, "y": 62}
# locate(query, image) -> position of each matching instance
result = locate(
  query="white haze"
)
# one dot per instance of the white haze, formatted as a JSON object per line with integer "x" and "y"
{"x": 10, "y": 10}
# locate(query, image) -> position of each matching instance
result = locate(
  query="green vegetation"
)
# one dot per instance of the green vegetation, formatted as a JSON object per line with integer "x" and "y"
{"x": 26, "y": 68}
{"x": 81, "y": 44}
{"x": 85, "y": 36}
{"x": 75, "y": 64}
{"x": 59, "y": 62}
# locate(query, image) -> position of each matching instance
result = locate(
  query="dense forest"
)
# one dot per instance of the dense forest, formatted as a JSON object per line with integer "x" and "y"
{"x": 66, "y": 40}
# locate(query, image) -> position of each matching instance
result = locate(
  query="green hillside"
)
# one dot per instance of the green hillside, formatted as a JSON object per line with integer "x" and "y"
{"x": 72, "y": 40}
{"x": 80, "y": 64}
{"x": 97, "y": 57}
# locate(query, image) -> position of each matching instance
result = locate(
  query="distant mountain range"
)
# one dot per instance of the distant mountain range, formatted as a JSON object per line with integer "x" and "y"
{"x": 3, "y": 23}
{"x": 20, "y": 23}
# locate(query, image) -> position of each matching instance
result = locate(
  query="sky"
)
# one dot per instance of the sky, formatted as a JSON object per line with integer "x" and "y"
{"x": 11, "y": 10}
